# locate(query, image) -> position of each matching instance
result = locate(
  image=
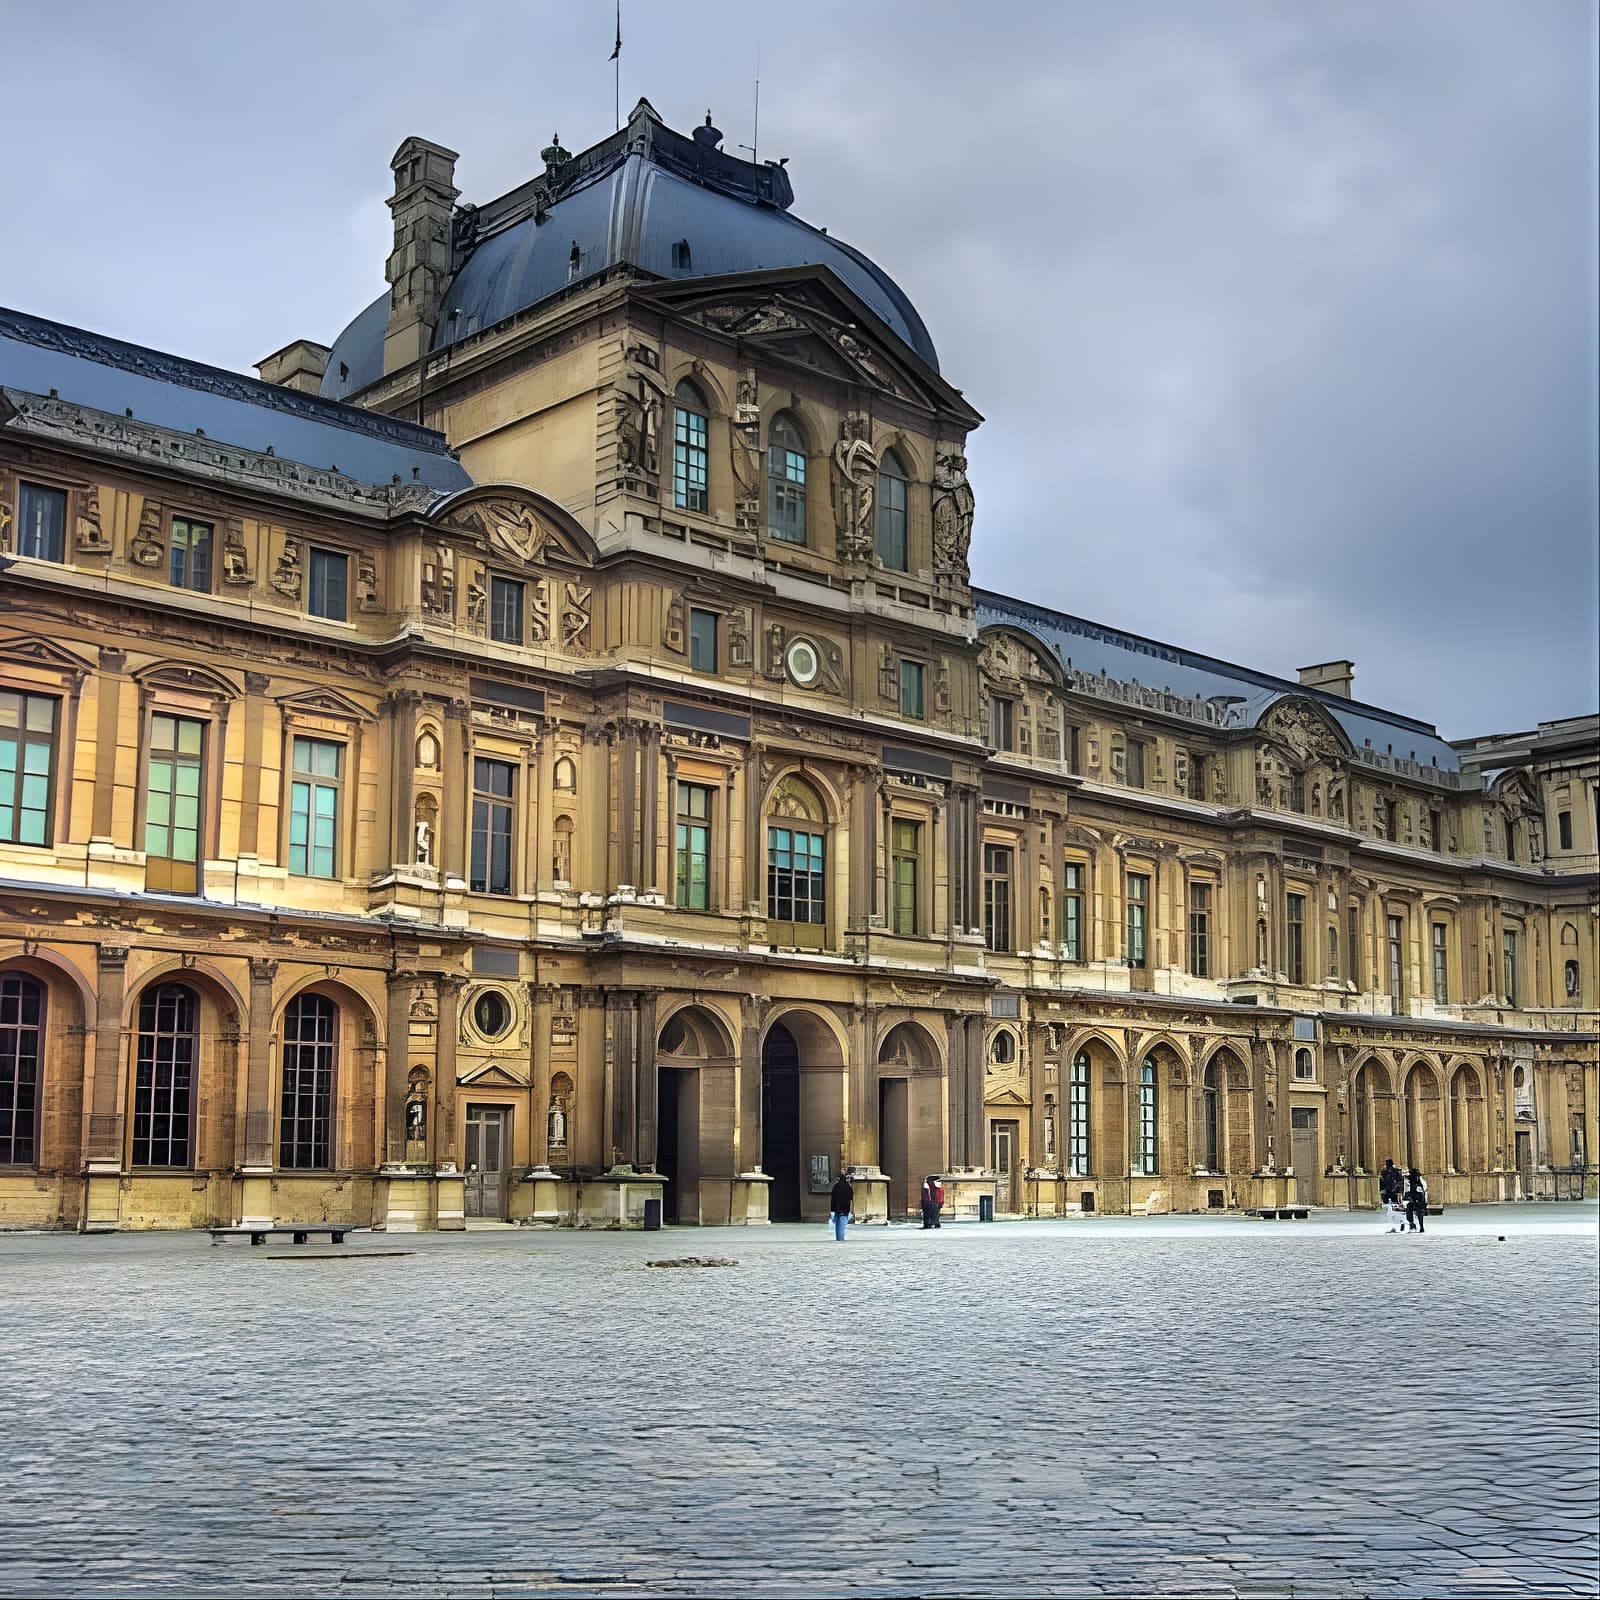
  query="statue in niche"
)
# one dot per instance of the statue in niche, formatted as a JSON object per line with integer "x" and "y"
{"x": 740, "y": 653}
{"x": 855, "y": 482}
{"x": 558, "y": 1124}
{"x": 1316, "y": 799}
{"x": 428, "y": 752}
{"x": 235, "y": 555}
{"x": 477, "y": 603}
{"x": 366, "y": 583}
{"x": 953, "y": 506}
{"x": 638, "y": 414}
{"x": 89, "y": 538}
{"x": 5, "y": 525}
{"x": 147, "y": 548}
{"x": 439, "y": 583}
{"x": 1336, "y": 801}
{"x": 287, "y": 575}
{"x": 561, "y": 851}
{"x": 417, "y": 1117}
{"x": 744, "y": 440}
{"x": 425, "y": 829}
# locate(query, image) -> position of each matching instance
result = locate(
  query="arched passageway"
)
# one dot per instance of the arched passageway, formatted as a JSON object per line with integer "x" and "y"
{"x": 802, "y": 1114}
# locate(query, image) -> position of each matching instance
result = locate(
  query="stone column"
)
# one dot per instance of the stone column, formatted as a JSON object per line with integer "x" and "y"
{"x": 649, "y": 820}
{"x": 113, "y": 663}
{"x": 255, "y": 1174}
{"x": 256, "y": 685}
{"x": 449, "y": 1185}
{"x": 747, "y": 1143}
{"x": 456, "y": 809}
{"x": 648, "y": 1115}
{"x": 103, "y": 1143}
{"x": 397, "y": 1077}
{"x": 976, "y": 1153}
{"x": 955, "y": 1088}
{"x": 401, "y": 725}
{"x": 541, "y": 997}
{"x": 861, "y": 1115}
{"x": 621, "y": 1066}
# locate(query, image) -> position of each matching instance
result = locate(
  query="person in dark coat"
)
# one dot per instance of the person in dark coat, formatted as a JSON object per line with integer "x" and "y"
{"x": 1391, "y": 1186}
{"x": 932, "y": 1200}
{"x": 841, "y": 1203}
{"x": 1416, "y": 1202}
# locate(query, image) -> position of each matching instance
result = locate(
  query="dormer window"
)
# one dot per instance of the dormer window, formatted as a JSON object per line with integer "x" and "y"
{"x": 574, "y": 262}
{"x": 786, "y": 481}
{"x": 681, "y": 260}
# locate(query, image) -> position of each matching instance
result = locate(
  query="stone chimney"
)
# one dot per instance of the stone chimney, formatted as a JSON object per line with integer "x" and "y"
{"x": 1332, "y": 677}
{"x": 297, "y": 366}
{"x": 419, "y": 265}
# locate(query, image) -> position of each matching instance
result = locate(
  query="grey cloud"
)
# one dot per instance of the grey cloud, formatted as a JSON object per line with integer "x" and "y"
{"x": 1283, "y": 318}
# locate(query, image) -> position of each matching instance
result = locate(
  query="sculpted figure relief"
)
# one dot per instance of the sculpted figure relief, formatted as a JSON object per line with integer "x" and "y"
{"x": 953, "y": 506}
{"x": 855, "y": 481}
{"x": 235, "y": 555}
{"x": 147, "y": 548}
{"x": 505, "y": 522}
{"x": 89, "y": 539}
{"x": 287, "y": 575}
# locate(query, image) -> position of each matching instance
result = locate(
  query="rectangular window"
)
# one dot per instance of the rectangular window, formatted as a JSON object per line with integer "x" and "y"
{"x": 1135, "y": 767}
{"x": 1078, "y": 1119}
{"x": 42, "y": 522}
{"x": 997, "y": 896}
{"x": 693, "y": 847}
{"x": 1072, "y": 912}
{"x": 907, "y": 851}
{"x": 190, "y": 555}
{"x": 688, "y": 460}
{"x": 1564, "y": 830}
{"x": 1002, "y": 722}
{"x": 1441, "y": 965}
{"x": 1200, "y": 929}
{"x": 1435, "y": 831}
{"x": 316, "y": 766}
{"x": 1508, "y": 960}
{"x": 1297, "y": 792}
{"x": 795, "y": 885}
{"x": 506, "y": 609}
{"x": 1138, "y": 918}
{"x": 1072, "y": 747}
{"x": 493, "y": 816}
{"x": 327, "y": 579}
{"x": 786, "y": 494}
{"x": 911, "y": 704}
{"x": 27, "y": 767}
{"x": 172, "y": 800}
{"x": 1295, "y": 954}
{"x": 1397, "y": 968}
{"x": 1353, "y": 943}
{"x": 702, "y": 640}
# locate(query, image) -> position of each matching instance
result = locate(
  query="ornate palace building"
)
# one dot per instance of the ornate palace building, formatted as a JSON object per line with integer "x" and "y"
{"x": 545, "y": 753}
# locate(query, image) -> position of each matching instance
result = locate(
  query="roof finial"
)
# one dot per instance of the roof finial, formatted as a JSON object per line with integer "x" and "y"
{"x": 707, "y": 136}
{"x": 552, "y": 154}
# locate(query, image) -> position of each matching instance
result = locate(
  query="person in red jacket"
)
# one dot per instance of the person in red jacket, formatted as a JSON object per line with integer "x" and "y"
{"x": 932, "y": 1200}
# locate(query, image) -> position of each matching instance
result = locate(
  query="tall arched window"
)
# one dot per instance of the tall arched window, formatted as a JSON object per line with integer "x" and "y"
{"x": 786, "y": 480}
{"x": 688, "y": 448}
{"x": 1078, "y": 1118}
{"x": 310, "y": 1041}
{"x": 891, "y": 532}
{"x": 21, "y": 1051}
{"x": 1211, "y": 1122}
{"x": 797, "y": 891}
{"x": 167, "y": 1054}
{"x": 1145, "y": 1156}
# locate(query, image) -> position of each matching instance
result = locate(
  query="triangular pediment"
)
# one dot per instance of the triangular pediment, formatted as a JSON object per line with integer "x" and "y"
{"x": 1005, "y": 1097}
{"x": 37, "y": 652}
{"x": 325, "y": 703}
{"x": 492, "y": 1075}
{"x": 810, "y": 320}
{"x": 518, "y": 525}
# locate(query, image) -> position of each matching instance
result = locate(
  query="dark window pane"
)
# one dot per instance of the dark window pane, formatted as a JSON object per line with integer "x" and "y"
{"x": 310, "y": 1034}
{"x": 42, "y": 522}
{"x": 21, "y": 1051}
{"x": 703, "y": 640}
{"x": 326, "y": 584}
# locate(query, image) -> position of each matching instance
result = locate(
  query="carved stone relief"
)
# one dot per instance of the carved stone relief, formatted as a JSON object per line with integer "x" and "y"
{"x": 740, "y": 652}
{"x": 148, "y": 547}
{"x": 89, "y": 538}
{"x": 855, "y": 484}
{"x": 367, "y": 582}
{"x": 672, "y": 630}
{"x": 953, "y": 506}
{"x": 744, "y": 436}
{"x": 288, "y": 574}
{"x": 235, "y": 554}
{"x": 439, "y": 582}
{"x": 575, "y": 604}
{"x": 505, "y": 523}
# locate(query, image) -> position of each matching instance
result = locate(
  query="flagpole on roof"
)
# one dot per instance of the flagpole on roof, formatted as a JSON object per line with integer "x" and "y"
{"x": 616, "y": 83}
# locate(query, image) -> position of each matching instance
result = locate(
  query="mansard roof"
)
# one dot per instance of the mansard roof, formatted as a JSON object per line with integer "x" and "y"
{"x": 676, "y": 208}
{"x": 78, "y": 368}
{"x": 1159, "y": 677}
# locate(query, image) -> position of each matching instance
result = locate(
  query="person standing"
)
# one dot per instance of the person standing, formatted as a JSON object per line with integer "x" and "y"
{"x": 927, "y": 1202}
{"x": 1391, "y": 1184}
{"x": 1416, "y": 1203}
{"x": 937, "y": 1184}
{"x": 841, "y": 1203}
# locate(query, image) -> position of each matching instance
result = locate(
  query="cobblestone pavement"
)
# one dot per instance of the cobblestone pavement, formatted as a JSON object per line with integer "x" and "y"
{"x": 1186, "y": 1406}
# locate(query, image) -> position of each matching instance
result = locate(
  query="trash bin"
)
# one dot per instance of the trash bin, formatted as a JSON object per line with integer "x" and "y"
{"x": 985, "y": 1208}
{"x": 652, "y": 1216}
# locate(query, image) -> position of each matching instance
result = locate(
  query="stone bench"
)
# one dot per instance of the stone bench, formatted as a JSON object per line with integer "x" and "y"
{"x": 1280, "y": 1213}
{"x": 299, "y": 1232}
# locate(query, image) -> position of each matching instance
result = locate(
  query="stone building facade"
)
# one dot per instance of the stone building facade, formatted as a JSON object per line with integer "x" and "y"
{"x": 545, "y": 752}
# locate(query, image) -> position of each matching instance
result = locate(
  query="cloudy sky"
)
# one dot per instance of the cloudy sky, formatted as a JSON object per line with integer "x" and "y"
{"x": 1282, "y": 316}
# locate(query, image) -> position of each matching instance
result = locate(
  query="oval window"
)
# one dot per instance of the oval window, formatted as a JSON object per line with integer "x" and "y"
{"x": 801, "y": 660}
{"x": 492, "y": 1013}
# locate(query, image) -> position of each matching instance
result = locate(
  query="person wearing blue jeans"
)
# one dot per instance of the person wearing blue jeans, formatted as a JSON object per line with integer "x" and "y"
{"x": 840, "y": 1204}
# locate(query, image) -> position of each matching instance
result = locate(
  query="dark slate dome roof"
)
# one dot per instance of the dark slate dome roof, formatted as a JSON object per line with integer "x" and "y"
{"x": 635, "y": 199}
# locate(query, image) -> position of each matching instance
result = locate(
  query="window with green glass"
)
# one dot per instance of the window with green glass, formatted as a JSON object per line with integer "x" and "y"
{"x": 907, "y": 852}
{"x": 795, "y": 881}
{"x": 1072, "y": 912}
{"x": 190, "y": 555}
{"x": 1138, "y": 918}
{"x": 911, "y": 695}
{"x": 172, "y": 800}
{"x": 689, "y": 452}
{"x": 786, "y": 481}
{"x": 316, "y": 771}
{"x": 27, "y": 767}
{"x": 693, "y": 847}
{"x": 891, "y": 513}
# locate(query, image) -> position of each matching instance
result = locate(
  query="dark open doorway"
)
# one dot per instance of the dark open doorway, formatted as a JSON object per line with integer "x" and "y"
{"x": 894, "y": 1145}
{"x": 780, "y": 1123}
{"x": 668, "y": 1139}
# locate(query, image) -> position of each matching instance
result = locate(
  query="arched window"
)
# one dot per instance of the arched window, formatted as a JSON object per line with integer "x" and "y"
{"x": 1003, "y": 1048}
{"x": 797, "y": 892}
{"x": 21, "y": 1049}
{"x": 1333, "y": 951}
{"x": 688, "y": 448}
{"x": 1078, "y": 1117}
{"x": 310, "y": 1043}
{"x": 891, "y": 532}
{"x": 168, "y": 1052}
{"x": 1305, "y": 1066}
{"x": 1147, "y": 1151}
{"x": 786, "y": 480}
